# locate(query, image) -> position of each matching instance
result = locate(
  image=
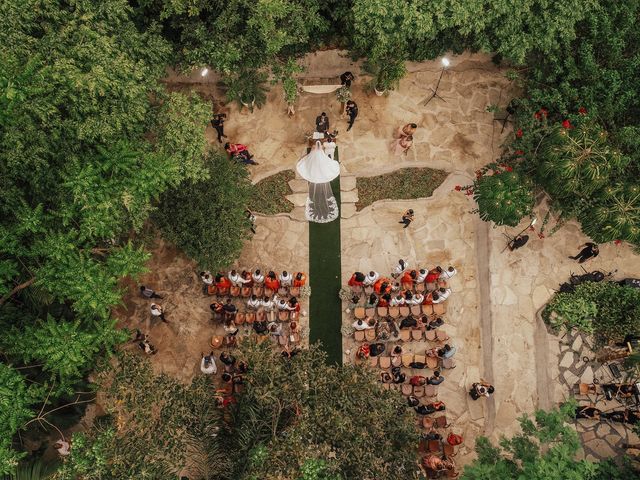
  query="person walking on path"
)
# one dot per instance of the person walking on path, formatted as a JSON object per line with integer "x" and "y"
{"x": 402, "y": 145}
{"x": 147, "y": 292}
{"x": 407, "y": 131}
{"x": 217, "y": 122}
{"x": 407, "y": 218}
{"x": 157, "y": 311}
{"x": 517, "y": 242}
{"x": 590, "y": 250}
{"x": 352, "y": 111}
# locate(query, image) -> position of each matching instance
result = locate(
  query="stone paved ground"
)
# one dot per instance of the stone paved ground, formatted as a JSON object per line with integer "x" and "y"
{"x": 492, "y": 312}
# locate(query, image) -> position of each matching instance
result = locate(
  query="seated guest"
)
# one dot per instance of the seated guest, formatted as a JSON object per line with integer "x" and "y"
{"x": 587, "y": 412}
{"x": 382, "y": 330}
{"x": 398, "y": 376}
{"x": 413, "y": 401}
{"x": 282, "y": 304}
{"x": 397, "y": 351}
{"x": 421, "y": 322}
{"x": 299, "y": 280}
{"x": 433, "y": 275}
{"x": 417, "y": 299}
{"x": 228, "y": 359}
{"x": 397, "y": 301}
{"x": 257, "y": 277}
{"x": 208, "y": 364}
{"x": 229, "y": 309}
{"x": 254, "y": 302}
{"x": 260, "y": 327}
{"x": 360, "y": 324}
{"x": 235, "y": 148}
{"x": 371, "y": 278}
{"x": 447, "y": 351}
{"x": 437, "y": 464}
{"x": 371, "y": 322}
{"x": 422, "y": 276}
{"x": 275, "y": 329}
{"x": 372, "y": 301}
{"x": 376, "y": 349}
{"x": 230, "y": 328}
{"x": 293, "y": 305}
{"x": 408, "y": 297}
{"x": 435, "y": 298}
{"x": 271, "y": 281}
{"x": 243, "y": 367}
{"x": 448, "y": 273}
{"x": 267, "y": 303}
{"x": 222, "y": 281}
{"x": 435, "y": 379}
{"x": 382, "y": 286}
{"x": 430, "y": 408}
{"x": 409, "y": 277}
{"x": 286, "y": 280}
{"x": 433, "y": 324}
{"x": 400, "y": 268}
{"x": 408, "y": 322}
{"x": 418, "y": 380}
{"x": 248, "y": 278}
{"x": 418, "y": 365}
{"x": 356, "y": 280}
{"x": 217, "y": 307}
{"x": 481, "y": 389}
{"x": 206, "y": 278}
{"x": 385, "y": 377}
{"x": 384, "y": 300}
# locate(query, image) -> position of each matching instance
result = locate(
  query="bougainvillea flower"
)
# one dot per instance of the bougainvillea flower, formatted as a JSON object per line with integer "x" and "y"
{"x": 519, "y": 133}
{"x": 544, "y": 112}
{"x": 566, "y": 124}
{"x": 519, "y": 152}
{"x": 457, "y": 188}
{"x": 618, "y": 242}
{"x": 537, "y": 116}
{"x": 469, "y": 192}
{"x": 582, "y": 111}
{"x": 508, "y": 168}
{"x": 541, "y": 236}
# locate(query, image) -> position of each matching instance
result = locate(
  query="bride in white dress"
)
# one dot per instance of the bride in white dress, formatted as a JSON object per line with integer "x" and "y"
{"x": 319, "y": 169}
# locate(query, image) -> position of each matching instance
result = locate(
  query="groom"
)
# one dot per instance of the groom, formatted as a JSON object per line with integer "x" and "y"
{"x": 322, "y": 123}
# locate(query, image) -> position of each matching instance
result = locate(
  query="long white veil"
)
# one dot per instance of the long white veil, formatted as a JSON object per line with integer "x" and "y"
{"x": 319, "y": 169}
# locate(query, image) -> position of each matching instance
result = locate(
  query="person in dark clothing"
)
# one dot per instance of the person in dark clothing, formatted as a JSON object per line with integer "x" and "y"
{"x": 346, "y": 78}
{"x": 429, "y": 409}
{"x": 217, "y": 122}
{"x": 352, "y": 111}
{"x": 376, "y": 349}
{"x": 413, "y": 401}
{"x": 398, "y": 376}
{"x": 227, "y": 359}
{"x": 625, "y": 416}
{"x": 408, "y": 322}
{"x": 589, "y": 250}
{"x": 407, "y": 218}
{"x": 322, "y": 123}
{"x": 519, "y": 241}
{"x": 587, "y": 412}
{"x": 433, "y": 324}
{"x": 147, "y": 292}
{"x": 418, "y": 365}
{"x": 260, "y": 327}
{"x": 435, "y": 379}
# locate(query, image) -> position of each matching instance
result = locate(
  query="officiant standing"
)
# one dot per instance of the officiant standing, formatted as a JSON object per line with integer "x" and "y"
{"x": 322, "y": 123}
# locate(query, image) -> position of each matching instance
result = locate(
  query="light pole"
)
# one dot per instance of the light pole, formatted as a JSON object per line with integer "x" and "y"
{"x": 445, "y": 63}
{"x": 512, "y": 239}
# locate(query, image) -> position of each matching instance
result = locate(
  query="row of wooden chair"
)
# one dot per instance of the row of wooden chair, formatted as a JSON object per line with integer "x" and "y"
{"x": 404, "y": 335}
{"x": 407, "y": 389}
{"x": 430, "y": 423}
{"x": 414, "y": 287}
{"x": 437, "y": 446}
{"x": 261, "y": 316}
{"x": 437, "y": 309}
{"x": 432, "y": 363}
{"x": 257, "y": 290}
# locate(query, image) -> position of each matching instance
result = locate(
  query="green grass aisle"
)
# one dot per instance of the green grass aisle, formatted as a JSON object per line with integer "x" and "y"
{"x": 325, "y": 309}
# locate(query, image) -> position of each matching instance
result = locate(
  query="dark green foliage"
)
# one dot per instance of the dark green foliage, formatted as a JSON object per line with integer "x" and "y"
{"x": 268, "y": 196}
{"x": 206, "y": 218}
{"x": 607, "y": 309}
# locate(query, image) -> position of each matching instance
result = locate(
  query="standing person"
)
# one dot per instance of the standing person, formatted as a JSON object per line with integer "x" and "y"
{"x": 157, "y": 311}
{"x": 481, "y": 389}
{"x": 346, "y": 78}
{"x": 322, "y": 123}
{"x": 352, "y": 111}
{"x": 252, "y": 219}
{"x": 208, "y": 364}
{"x": 402, "y": 145}
{"x": 400, "y": 268}
{"x": 148, "y": 292}
{"x": 330, "y": 146}
{"x": 407, "y": 131}
{"x": 407, "y": 218}
{"x": 217, "y": 122}
{"x": 590, "y": 250}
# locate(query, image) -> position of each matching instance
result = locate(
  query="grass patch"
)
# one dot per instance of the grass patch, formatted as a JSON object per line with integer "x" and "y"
{"x": 403, "y": 184}
{"x": 269, "y": 195}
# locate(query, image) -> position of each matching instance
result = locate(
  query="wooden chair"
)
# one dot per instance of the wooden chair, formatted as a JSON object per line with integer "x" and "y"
{"x": 427, "y": 423}
{"x": 435, "y": 446}
{"x": 420, "y": 287}
{"x": 212, "y": 289}
{"x": 430, "y": 335}
{"x": 370, "y": 334}
{"x": 430, "y": 390}
{"x": 245, "y": 291}
{"x": 223, "y": 292}
{"x": 427, "y": 309}
{"x": 294, "y": 291}
{"x": 432, "y": 362}
{"x": 294, "y": 337}
{"x": 405, "y": 311}
{"x": 250, "y": 317}
{"x": 356, "y": 290}
{"x": 452, "y": 473}
{"x": 404, "y": 335}
{"x": 440, "y": 309}
{"x": 449, "y": 450}
{"x": 407, "y": 360}
{"x": 261, "y": 315}
{"x": 283, "y": 315}
{"x": 216, "y": 341}
{"x": 368, "y": 289}
{"x": 258, "y": 290}
{"x": 239, "y": 320}
{"x": 396, "y": 361}
{"x": 294, "y": 315}
{"x": 359, "y": 313}
{"x": 430, "y": 286}
{"x": 268, "y": 292}
{"x": 283, "y": 291}
{"x": 383, "y": 311}
{"x": 282, "y": 340}
{"x": 407, "y": 286}
{"x": 441, "y": 335}
{"x": 386, "y": 386}
{"x": 407, "y": 389}
{"x": 441, "y": 422}
{"x": 448, "y": 363}
{"x": 420, "y": 358}
{"x": 416, "y": 309}
{"x": 394, "y": 312}
{"x": 416, "y": 334}
{"x": 385, "y": 362}
{"x": 358, "y": 335}
{"x": 418, "y": 391}
{"x": 370, "y": 312}
{"x": 373, "y": 361}
{"x": 235, "y": 291}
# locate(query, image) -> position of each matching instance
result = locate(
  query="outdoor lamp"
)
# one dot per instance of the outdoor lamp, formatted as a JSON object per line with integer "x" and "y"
{"x": 445, "y": 62}
{"x": 204, "y": 72}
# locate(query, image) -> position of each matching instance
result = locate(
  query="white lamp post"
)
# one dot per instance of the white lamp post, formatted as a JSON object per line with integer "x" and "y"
{"x": 445, "y": 63}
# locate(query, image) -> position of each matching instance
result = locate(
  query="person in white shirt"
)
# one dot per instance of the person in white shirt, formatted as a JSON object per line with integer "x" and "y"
{"x": 282, "y": 304}
{"x": 206, "y": 278}
{"x": 208, "y": 364}
{"x": 397, "y": 301}
{"x": 448, "y": 273}
{"x": 417, "y": 299}
{"x": 444, "y": 293}
{"x": 400, "y": 267}
{"x": 360, "y": 325}
{"x": 254, "y": 303}
{"x": 267, "y": 303}
{"x": 157, "y": 311}
{"x": 436, "y": 298}
{"x": 258, "y": 277}
{"x": 329, "y": 146}
{"x": 237, "y": 279}
{"x": 275, "y": 329}
{"x": 371, "y": 278}
{"x": 286, "y": 279}
{"x": 422, "y": 275}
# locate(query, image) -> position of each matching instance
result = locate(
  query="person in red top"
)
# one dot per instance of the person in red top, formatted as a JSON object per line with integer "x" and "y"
{"x": 271, "y": 281}
{"x": 433, "y": 275}
{"x": 418, "y": 380}
{"x": 408, "y": 278}
{"x": 384, "y": 300}
{"x": 357, "y": 279}
{"x": 299, "y": 280}
{"x": 222, "y": 281}
{"x": 382, "y": 286}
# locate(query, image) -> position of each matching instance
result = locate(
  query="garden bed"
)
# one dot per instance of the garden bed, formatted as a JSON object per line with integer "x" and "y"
{"x": 269, "y": 195}
{"x": 403, "y": 184}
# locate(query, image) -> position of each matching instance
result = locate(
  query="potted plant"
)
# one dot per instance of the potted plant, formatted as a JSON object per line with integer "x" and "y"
{"x": 247, "y": 88}
{"x": 343, "y": 95}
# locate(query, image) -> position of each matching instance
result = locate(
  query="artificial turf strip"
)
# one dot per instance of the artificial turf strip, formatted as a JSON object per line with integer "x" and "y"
{"x": 325, "y": 308}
